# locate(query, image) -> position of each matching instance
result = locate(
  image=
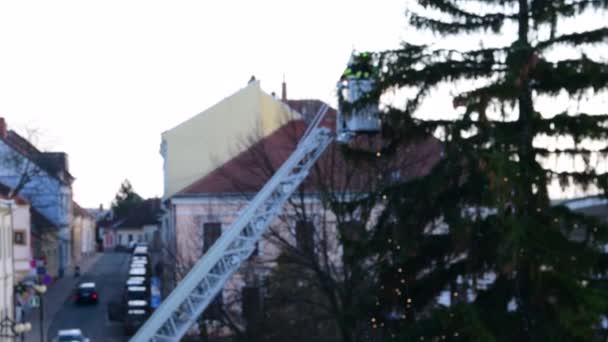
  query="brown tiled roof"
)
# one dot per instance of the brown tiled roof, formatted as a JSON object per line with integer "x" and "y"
{"x": 251, "y": 169}
{"x": 147, "y": 212}
{"x": 309, "y": 108}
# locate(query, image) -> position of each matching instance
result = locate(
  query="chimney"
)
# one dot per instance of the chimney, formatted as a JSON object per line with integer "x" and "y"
{"x": 2, "y": 128}
{"x": 284, "y": 90}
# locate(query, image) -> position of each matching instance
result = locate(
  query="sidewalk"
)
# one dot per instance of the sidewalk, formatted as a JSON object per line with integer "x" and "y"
{"x": 56, "y": 294}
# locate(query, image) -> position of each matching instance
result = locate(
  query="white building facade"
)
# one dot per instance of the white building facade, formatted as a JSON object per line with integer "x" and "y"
{"x": 6, "y": 261}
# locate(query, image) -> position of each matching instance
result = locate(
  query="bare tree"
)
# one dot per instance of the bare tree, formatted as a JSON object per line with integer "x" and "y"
{"x": 318, "y": 285}
{"x": 31, "y": 173}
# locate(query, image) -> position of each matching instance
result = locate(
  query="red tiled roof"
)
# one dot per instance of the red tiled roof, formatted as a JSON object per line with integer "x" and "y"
{"x": 251, "y": 169}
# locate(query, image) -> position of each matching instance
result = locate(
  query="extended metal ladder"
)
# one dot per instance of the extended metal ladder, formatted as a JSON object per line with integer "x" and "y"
{"x": 178, "y": 312}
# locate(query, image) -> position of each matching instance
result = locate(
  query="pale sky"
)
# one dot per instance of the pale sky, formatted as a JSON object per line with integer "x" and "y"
{"x": 101, "y": 80}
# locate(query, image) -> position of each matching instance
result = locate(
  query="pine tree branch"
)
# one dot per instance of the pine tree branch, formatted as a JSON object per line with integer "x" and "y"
{"x": 573, "y": 76}
{"x": 546, "y": 10}
{"x": 572, "y": 152}
{"x": 471, "y": 25}
{"x": 458, "y": 13}
{"x": 575, "y": 39}
{"x": 579, "y": 125}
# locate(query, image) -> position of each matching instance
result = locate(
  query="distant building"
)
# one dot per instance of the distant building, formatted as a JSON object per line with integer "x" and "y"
{"x": 141, "y": 225}
{"x": 83, "y": 233}
{"x": 48, "y": 189}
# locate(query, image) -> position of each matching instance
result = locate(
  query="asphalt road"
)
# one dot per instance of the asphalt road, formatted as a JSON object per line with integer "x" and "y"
{"x": 109, "y": 274}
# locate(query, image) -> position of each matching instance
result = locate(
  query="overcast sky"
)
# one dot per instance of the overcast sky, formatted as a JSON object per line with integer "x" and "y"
{"x": 101, "y": 80}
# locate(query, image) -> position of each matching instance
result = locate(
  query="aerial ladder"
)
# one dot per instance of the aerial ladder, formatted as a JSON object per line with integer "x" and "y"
{"x": 180, "y": 310}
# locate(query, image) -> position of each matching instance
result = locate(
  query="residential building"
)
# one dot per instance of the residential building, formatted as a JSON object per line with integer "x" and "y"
{"x": 199, "y": 213}
{"x": 140, "y": 225}
{"x": 43, "y": 178}
{"x": 6, "y": 260}
{"x": 83, "y": 233}
{"x": 197, "y": 146}
{"x": 21, "y": 239}
{"x": 106, "y": 233}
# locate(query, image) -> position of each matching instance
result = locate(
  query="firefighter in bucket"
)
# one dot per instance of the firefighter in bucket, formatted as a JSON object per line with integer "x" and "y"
{"x": 356, "y": 81}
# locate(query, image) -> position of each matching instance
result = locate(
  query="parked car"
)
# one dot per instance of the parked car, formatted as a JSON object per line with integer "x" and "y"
{"x": 138, "y": 272}
{"x": 86, "y": 293}
{"x": 137, "y": 293}
{"x": 141, "y": 251}
{"x": 134, "y": 319}
{"x": 70, "y": 335}
{"x": 132, "y": 245}
{"x": 136, "y": 281}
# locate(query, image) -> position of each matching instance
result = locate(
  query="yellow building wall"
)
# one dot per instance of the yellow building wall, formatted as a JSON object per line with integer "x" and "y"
{"x": 199, "y": 145}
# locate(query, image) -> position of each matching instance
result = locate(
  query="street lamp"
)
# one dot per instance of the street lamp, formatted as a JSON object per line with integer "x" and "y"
{"x": 40, "y": 290}
{"x": 9, "y": 328}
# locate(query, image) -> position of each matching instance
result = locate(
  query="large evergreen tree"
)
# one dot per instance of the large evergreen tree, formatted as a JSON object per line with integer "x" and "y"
{"x": 481, "y": 225}
{"x": 125, "y": 200}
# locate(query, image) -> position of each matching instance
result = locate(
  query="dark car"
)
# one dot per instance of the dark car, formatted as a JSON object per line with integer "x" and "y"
{"x": 86, "y": 293}
{"x": 138, "y": 271}
{"x": 137, "y": 293}
{"x": 70, "y": 335}
{"x": 136, "y": 315}
{"x": 134, "y": 319}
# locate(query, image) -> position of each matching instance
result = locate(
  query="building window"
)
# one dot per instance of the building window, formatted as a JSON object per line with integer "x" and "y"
{"x": 130, "y": 237}
{"x": 305, "y": 239}
{"x": 214, "y": 309}
{"x": 19, "y": 237}
{"x": 352, "y": 233}
{"x": 211, "y": 232}
{"x": 252, "y": 302}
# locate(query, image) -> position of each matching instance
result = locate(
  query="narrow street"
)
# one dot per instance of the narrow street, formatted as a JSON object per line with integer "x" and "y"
{"x": 109, "y": 274}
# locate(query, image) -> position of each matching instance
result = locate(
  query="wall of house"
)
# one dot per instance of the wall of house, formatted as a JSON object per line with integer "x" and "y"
{"x": 50, "y": 196}
{"x": 191, "y": 215}
{"x": 88, "y": 236}
{"x": 6, "y": 262}
{"x": 137, "y": 234}
{"x": 200, "y": 144}
{"x": 148, "y": 234}
{"x": 76, "y": 238}
{"x": 50, "y": 251}
{"x": 109, "y": 237}
{"x": 22, "y": 251}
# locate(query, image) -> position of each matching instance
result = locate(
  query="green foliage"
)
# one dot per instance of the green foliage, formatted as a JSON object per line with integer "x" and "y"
{"x": 125, "y": 200}
{"x": 484, "y": 210}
